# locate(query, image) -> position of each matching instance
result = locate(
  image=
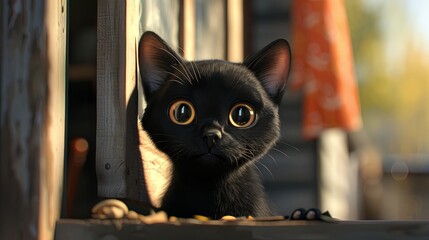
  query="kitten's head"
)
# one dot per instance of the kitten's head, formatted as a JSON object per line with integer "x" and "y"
{"x": 212, "y": 117}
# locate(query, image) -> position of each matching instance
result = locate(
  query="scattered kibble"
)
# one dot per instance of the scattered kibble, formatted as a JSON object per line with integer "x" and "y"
{"x": 159, "y": 217}
{"x": 132, "y": 215}
{"x": 109, "y": 208}
{"x": 201, "y": 218}
{"x": 116, "y": 209}
{"x": 228, "y": 218}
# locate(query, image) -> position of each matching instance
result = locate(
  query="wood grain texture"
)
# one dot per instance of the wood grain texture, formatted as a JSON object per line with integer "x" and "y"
{"x": 235, "y": 30}
{"x": 119, "y": 163}
{"x": 111, "y": 99}
{"x": 351, "y": 230}
{"x": 126, "y": 168}
{"x": 51, "y": 174}
{"x": 32, "y": 116}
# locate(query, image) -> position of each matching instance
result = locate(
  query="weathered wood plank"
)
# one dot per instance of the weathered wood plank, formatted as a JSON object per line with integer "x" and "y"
{"x": 189, "y": 29}
{"x": 32, "y": 116}
{"x": 210, "y": 30}
{"x": 52, "y": 157}
{"x": 235, "y": 30}
{"x": 351, "y": 230}
{"x": 111, "y": 101}
{"x": 336, "y": 175}
{"x": 119, "y": 169}
{"x": 126, "y": 169}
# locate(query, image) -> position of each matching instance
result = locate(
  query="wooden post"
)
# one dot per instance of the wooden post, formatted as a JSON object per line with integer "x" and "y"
{"x": 189, "y": 29}
{"x": 235, "y": 30}
{"x": 32, "y": 116}
{"x": 336, "y": 190}
{"x": 111, "y": 98}
{"x": 127, "y": 164}
{"x": 210, "y": 30}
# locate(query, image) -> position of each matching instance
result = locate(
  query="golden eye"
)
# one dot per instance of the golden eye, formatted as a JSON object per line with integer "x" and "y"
{"x": 181, "y": 112}
{"x": 242, "y": 115}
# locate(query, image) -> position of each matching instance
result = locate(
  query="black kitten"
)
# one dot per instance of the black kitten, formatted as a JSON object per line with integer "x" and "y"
{"x": 214, "y": 119}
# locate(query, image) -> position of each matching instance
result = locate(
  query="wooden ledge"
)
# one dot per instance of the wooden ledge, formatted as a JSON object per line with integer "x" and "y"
{"x": 128, "y": 229}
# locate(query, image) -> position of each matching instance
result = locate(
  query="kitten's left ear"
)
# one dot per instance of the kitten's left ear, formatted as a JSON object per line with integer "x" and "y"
{"x": 271, "y": 66}
{"x": 156, "y": 59}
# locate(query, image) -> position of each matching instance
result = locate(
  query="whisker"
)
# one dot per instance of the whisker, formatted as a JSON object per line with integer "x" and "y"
{"x": 250, "y": 153}
{"x": 183, "y": 74}
{"x": 175, "y": 75}
{"x": 157, "y": 170}
{"x": 260, "y": 173}
{"x": 290, "y": 145}
{"x": 165, "y": 135}
{"x": 177, "y": 60}
{"x": 174, "y": 80}
{"x": 277, "y": 150}
{"x": 269, "y": 171}
{"x": 247, "y": 156}
{"x": 196, "y": 67}
{"x": 193, "y": 69}
{"x": 274, "y": 160}
{"x": 235, "y": 160}
{"x": 177, "y": 153}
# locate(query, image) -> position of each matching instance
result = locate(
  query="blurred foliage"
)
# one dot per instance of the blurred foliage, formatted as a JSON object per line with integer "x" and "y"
{"x": 392, "y": 71}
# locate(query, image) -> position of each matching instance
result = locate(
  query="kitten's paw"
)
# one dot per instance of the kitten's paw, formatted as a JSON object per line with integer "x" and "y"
{"x": 311, "y": 214}
{"x": 298, "y": 214}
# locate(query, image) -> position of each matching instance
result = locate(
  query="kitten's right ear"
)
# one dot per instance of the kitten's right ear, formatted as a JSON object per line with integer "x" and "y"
{"x": 155, "y": 61}
{"x": 271, "y": 66}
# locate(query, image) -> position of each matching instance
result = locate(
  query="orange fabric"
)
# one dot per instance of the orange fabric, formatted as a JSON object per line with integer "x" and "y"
{"x": 323, "y": 66}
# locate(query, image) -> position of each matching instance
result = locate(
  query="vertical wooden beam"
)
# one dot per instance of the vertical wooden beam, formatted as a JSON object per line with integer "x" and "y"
{"x": 124, "y": 169}
{"x": 111, "y": 98}
{"x": 189, "y": 29}
{"x": 235, "y": 30}
{"x": 119, "y": 159}
{"x": 51, "y": 175}
{"x": 119, "y": 166}
{"x": 32, "y": 116}
{"x": 247, "y": 28}
{"x": 335, "y": 174}
{"x": 181, "y": 33}
{"x": 210, "y": 29}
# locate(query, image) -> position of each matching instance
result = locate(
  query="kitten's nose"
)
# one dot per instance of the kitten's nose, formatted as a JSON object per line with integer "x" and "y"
{"x": 211, "y": 136}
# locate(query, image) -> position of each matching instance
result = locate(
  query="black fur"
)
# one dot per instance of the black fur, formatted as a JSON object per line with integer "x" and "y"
{"x": 221, "y": 180}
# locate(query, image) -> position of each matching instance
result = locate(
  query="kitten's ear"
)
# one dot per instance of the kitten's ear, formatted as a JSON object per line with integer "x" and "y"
{"x": 155, "y": 61}
{"x": 271, "y": 66}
